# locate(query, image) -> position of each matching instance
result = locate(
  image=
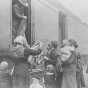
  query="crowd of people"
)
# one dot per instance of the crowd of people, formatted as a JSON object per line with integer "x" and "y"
{"x": 63, "y": 67}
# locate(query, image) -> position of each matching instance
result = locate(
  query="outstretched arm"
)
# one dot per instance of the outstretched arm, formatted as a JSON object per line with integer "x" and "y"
{"x": 32, "y": 52}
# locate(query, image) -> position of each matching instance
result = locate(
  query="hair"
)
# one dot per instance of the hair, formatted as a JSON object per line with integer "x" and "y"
{"x": 54, "y": 44}
{"x": 50, "y": 67}
{"x": 65, "y": 42}
{"x": 73, "y": 42}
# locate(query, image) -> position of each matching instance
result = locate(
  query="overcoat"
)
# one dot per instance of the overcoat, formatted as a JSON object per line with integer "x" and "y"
{"x": 69, "y": 72}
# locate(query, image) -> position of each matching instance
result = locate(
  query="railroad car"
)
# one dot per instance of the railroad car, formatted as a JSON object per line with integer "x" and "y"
{"x": 47, "y": 20}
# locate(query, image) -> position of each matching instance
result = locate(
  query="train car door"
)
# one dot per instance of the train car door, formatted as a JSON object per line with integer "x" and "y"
{"x": 62, "y": 26}
{"x": 27, "y": 13}
{"x": 5, "y": 25}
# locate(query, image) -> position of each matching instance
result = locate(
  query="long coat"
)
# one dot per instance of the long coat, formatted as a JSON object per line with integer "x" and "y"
{"x": 69, "y": 72}
{"x": 53, "y": 55}
{"x": 21, "y": 76}
{"x": 79, "y": 73}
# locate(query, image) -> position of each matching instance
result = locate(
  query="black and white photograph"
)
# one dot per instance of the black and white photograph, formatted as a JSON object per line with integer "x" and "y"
{"x": 43, "y": 43}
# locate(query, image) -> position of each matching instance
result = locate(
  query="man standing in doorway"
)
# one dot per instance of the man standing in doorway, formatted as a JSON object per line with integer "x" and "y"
{"x": 18, "y": 19}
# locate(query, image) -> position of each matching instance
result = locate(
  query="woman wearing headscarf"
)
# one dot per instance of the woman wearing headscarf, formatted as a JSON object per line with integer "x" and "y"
{"x": 69, "y": 69}
{"x": 21, "y": 68}
{"x": 5, "y": 77}
{"x": 51, "y": 61}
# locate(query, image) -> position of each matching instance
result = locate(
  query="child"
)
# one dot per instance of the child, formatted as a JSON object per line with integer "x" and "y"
{"x": 66, "y": 50}
{"x": 50, "y": 77}
{"x": 36, "y": 46}
{"x": 50, "y": 69}
{"x": 5, "y": 77}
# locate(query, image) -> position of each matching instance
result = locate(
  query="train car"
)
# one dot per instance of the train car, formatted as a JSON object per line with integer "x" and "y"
{"x": 53, "y": 21}
{"x": 47, "y": 20}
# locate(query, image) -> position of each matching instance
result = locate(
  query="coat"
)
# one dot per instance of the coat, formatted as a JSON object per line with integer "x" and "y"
{"x": 21, "y": 76}
{"x": 69, "y": 66}
{"x": 79, "y": 74}
{"x": 53, "y": 55}
{"x": 69, "y": 72}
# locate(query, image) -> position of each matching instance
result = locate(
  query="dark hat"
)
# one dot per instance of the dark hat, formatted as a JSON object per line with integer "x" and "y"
{"x": 73, "y": 42}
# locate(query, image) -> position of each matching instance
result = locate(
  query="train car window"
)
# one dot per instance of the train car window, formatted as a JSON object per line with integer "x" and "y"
{"x": 62, "y": 24}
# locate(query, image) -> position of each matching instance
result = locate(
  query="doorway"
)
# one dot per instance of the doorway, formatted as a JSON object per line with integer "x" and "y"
{"x": 27, "y": 28}
{"x": 62, "y": 26}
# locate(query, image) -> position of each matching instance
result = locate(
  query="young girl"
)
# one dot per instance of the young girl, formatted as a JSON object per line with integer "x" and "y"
{"x": 50, "y": 77}
{"x": 37, "y": 45}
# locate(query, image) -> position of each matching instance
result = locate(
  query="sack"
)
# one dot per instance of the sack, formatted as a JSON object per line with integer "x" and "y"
{"x": 16, "y": 53}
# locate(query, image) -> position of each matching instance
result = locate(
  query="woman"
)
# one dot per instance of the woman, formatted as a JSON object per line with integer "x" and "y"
{"x": 21, "y": 68}
{"x": 5, "y": 77}
{"x": 53, "y": 53}
{"x": 69, "y": 69}
{"x": 51, "y": 62}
